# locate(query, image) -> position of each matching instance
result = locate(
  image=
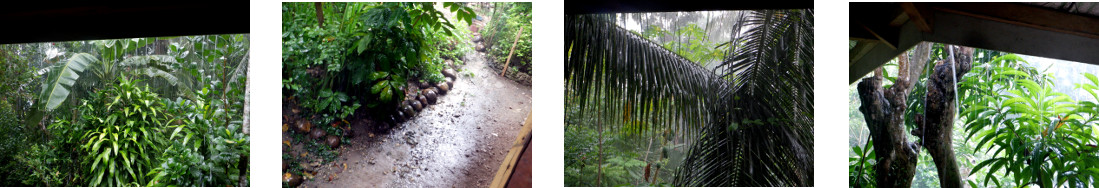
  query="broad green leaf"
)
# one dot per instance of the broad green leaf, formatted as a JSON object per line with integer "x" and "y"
{"x": 364, "y": 43}
{"x": 378, "y": 75}
{"x": 378, "y": 87}
{"x": 56, "y": 88}
{"x": 386, "y": 94}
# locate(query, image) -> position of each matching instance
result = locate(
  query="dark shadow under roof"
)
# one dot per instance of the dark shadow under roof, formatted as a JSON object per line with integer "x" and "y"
{"x": 881, "y": 31}
{"x": 40, "y": 21}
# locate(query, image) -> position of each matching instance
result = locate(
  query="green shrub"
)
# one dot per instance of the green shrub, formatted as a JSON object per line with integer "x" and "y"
{"x": 123, "y": 137}
{"x": 364, "y": 53}
{"x": 502, "y": 33}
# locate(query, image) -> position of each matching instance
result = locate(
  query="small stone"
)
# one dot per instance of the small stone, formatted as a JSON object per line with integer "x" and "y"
{"x": 431, "y": 96}
{"x": 399, "y": 117}
{"x": 303, "y": 126}
{"x": 408, "y": 111}
{"x": 423, "y": 100}
{"x": 416, "y": 105}
{"x": 443, "y": 87}
{"x": 318, "y": 134}
{"x": 333, "y": 141}
{"x": 449, "y": 73}
{"x": 425, "y": 85}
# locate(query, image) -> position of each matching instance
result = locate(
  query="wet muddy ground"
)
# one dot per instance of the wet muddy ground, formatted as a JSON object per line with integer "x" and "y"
{"x": 458, "y": 142}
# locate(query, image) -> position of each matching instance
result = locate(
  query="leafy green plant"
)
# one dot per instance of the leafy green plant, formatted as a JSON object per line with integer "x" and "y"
{"x": 55, "y": 90}
{"x": 122, "y": 139}
{"x": 59, "y": 81}
{"x": 861, "y": 167}
{"x": 108, "y": 122}
{"x": 388, "y": 87}
{"x": 1035, "y": 135}
{"x": 501, "y": 34}
{"x": 200, "y": 146}
{"x": 696, "y": 45}
{"x": 369, "y": 49}
{"x": 40, "y": 161}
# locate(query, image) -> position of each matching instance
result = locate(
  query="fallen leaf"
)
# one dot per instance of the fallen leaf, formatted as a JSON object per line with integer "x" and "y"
{"x": 285, "y": 127}
{"x": 287, "y": 142}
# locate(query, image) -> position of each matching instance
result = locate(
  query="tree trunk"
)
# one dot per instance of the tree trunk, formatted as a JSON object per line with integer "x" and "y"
{"x": 938, "y": 123}
{"x": 242, "y": 170}
{"x": 320, "y": 14}
{"x": 242, "y": 164}
{"x": 896, "y": 159}
{"x": 884, "y": 112}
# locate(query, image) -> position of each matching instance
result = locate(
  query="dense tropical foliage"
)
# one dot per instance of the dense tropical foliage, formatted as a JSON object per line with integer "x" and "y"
{"x": 639, "y": 113}
{"x": 362, "y": 54}
{"x": 1013, "y": 128}
{"x": 508, "y": 21}
{"x": 346, "y": 62}
{"x": 166, "y": 111}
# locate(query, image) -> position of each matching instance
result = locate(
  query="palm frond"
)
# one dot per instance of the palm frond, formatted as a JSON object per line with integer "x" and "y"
{"x": 771, "y": 101}
{"x": 636, "y": 76}
{"x": 748, "y": 122}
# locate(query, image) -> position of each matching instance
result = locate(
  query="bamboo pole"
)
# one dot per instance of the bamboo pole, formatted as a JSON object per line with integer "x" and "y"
{"x": 512, "y": 51}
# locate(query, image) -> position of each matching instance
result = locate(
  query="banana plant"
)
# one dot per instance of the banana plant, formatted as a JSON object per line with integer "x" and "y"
{"x": 58, "y": 85}
{"x": 56, "y": 88}
{"x": 163, "y": 67}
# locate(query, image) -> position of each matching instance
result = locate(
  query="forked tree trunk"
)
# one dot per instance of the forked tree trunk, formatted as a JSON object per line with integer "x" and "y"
{"x": 884, "y": 111}
{"x": 938, "y": 123}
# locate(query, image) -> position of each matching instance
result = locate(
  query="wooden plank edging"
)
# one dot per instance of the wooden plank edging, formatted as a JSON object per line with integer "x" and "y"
{"x": 506, "y": 167}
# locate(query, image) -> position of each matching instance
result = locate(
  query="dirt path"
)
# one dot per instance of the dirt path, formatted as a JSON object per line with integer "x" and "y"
{"x": 458, "y": 142}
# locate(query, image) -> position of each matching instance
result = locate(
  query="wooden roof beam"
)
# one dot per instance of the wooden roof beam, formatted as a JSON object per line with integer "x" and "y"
{"x": 1027, "y": 16}
{"x": 918, "y": 14}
